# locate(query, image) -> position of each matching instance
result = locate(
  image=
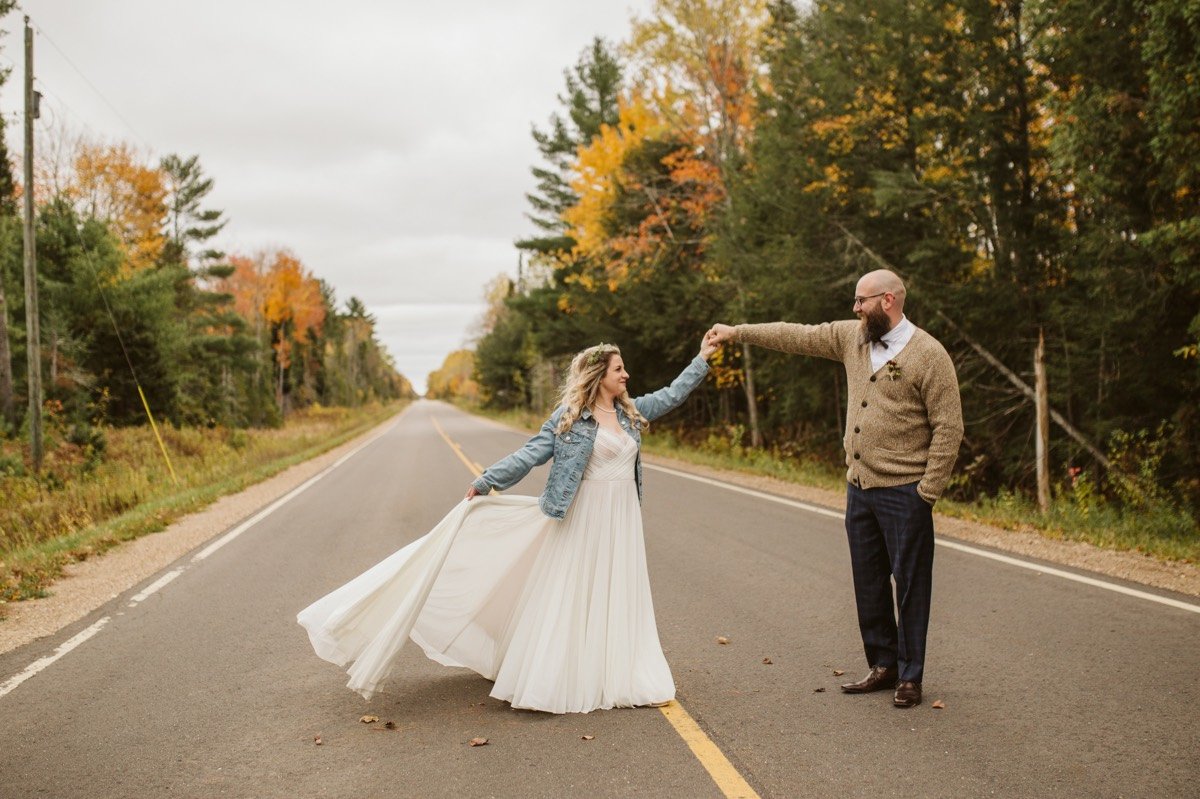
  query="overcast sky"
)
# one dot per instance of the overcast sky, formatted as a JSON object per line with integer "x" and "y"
{"x": 385, "y": 143}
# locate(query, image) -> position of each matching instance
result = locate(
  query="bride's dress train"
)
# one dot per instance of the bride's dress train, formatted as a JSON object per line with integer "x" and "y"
{"x": 557, "y": 613}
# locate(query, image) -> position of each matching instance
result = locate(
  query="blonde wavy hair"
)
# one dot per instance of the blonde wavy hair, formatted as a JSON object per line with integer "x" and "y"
{"x": 582, "y": 387}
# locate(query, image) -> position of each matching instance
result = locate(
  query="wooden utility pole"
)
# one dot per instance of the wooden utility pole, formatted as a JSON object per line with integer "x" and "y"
{"x": 1042, "y": 403}
{"x": 33, "y": 333}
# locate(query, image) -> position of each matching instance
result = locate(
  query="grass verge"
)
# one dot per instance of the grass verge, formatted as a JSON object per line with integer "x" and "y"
{"x": 86, "y": 503}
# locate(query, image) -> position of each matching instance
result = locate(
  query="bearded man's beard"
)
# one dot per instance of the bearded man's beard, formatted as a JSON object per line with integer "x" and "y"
{"x": 876, "y": 324}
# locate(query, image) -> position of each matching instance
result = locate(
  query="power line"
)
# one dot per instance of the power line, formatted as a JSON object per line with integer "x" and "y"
{"x": 44, "y": 34}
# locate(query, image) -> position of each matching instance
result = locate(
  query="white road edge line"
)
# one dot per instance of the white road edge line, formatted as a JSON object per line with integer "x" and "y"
{"x": 154, "y": 586}
{"x": 289, "y": 496}
{"x": 983, "y": 553}
{"x": 41, "y": 663}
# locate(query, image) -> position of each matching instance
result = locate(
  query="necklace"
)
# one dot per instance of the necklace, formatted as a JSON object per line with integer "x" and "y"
{"x": 613, "y": 409}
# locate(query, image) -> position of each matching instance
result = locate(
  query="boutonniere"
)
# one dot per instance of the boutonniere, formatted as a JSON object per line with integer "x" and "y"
{"x": 893, "y": 370}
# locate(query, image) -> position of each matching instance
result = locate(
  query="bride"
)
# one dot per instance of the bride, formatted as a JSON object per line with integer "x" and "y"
{"x": 547, "y": 597}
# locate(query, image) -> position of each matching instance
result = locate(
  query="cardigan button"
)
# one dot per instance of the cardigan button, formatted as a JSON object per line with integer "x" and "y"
{"x": 872, "y": 378}
{"x": 857, "y": 430}
{"x": 864, "y": 403}
{"x": 857, "y": 456}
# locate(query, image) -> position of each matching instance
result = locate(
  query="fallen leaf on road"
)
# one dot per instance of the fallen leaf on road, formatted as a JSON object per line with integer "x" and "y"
{"x": 838, "y": 672}
{"x": 369, "y": 719}
{"x": 722, "y": 640}
{"x": 317, "y": 740}
{"x": 479, "y": 742}
{"x": 391, "y": 725}
{"x": 939, "y": 704}
{"x": 767, "y": 661}
{"x": 588, "y": 737}
{"x": 818, "y": 690}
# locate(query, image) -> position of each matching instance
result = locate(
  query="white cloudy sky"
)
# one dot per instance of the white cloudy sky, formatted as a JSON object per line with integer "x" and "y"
{"x": 386, "y": 143}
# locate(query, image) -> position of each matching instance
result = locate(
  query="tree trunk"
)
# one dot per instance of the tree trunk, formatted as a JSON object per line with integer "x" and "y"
{"x": 53, "y": 357}
{"x": 756, "y": 440}
{"x": 7, "y": 409}
{"x": 1043, "y": 423}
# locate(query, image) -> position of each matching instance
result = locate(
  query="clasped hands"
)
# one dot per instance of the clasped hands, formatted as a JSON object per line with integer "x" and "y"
{"x": 717, "y": 334}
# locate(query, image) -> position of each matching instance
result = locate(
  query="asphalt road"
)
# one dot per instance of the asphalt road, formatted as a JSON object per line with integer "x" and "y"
{"x": 207, "y": 687}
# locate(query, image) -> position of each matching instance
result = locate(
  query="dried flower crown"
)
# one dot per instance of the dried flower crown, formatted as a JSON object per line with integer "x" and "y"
{"x": 599, "y": 351}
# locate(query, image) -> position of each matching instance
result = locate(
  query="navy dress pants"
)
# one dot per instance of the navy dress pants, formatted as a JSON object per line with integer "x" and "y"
{"x": 890, "y": 531}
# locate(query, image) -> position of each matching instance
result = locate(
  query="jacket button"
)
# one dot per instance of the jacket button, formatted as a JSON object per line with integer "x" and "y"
{"x": 872, "y": 378}
{"x": 864, "y": 403}
{"x": 857, "y": 456}
{"x": 857, "y": 430}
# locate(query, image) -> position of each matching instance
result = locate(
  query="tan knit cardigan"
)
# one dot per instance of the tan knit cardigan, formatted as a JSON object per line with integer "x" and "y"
{"x": 904, "y": 422}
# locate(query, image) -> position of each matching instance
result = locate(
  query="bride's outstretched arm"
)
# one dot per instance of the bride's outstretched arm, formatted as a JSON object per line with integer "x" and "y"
{"x": 668, "y": 399}
{"x": 508, "y": 471}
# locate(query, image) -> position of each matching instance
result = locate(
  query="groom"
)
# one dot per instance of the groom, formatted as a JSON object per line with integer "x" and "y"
{"x": 903, "y": 428}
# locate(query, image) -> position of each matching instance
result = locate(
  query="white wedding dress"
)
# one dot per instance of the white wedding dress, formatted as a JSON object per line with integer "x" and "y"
{"x": 557, "y": 613}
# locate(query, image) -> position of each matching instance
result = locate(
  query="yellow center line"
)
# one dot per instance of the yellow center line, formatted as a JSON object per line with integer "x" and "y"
{"x": 471, "y": 465}
{"x": 727, "y": 778}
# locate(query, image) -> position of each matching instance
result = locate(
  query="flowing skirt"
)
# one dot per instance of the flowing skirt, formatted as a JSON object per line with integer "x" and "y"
{"x": 557, "y": 613}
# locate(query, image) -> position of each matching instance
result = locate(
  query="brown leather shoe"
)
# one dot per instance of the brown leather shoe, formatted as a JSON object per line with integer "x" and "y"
{"x": 881, "y": 678}
{"x": 908, "y": 694}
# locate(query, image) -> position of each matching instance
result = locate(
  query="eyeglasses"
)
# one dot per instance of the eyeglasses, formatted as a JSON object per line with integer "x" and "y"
{"x": 860, "y": 300}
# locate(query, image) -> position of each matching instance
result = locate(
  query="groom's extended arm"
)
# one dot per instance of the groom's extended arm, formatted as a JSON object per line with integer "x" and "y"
{"x": 826, "y": 340}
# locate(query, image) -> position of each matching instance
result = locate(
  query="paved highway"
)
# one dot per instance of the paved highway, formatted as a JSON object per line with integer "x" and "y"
{"x": 206, "y": 686}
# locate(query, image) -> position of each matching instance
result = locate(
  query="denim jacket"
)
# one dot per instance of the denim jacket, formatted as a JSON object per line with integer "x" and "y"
{"x": 572, "y": 449}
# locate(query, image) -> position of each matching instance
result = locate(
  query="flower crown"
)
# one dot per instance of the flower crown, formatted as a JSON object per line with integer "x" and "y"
{"x": 599, "y": 351}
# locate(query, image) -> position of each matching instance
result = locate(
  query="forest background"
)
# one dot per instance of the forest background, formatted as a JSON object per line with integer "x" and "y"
{"x": 246, "y": 361}
{"x": 1031, "y": 168}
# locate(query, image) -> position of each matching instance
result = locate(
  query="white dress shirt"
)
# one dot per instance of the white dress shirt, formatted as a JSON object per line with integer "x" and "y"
{"x": 892, "y": 343}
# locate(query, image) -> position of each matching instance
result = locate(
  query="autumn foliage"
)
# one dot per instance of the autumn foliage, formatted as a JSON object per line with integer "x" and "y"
{"x": 746, "y": 161}
{"x": 136, "y": 301}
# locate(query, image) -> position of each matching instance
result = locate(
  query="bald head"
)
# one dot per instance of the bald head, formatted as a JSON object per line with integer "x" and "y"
{"x": 883, "y": 281}
{"x": 882, "y": 304}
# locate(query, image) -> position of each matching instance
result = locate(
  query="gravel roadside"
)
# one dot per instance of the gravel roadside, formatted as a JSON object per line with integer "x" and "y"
{"x": 89, "y": 584}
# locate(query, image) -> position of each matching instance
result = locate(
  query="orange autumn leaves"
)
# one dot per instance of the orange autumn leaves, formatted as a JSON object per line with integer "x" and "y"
{"x": 111, "y": 183}
{"x": 691, "y": 105}
{"x": 275, "y": 293}
{"x": 272, "y": 290}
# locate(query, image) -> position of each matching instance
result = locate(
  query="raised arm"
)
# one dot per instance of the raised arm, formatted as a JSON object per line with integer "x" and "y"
{"x": 827, "y": 340}
{"x": 668, "y": 399}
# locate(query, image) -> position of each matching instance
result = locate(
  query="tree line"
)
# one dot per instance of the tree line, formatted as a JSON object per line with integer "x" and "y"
{"x": 132, "y": 293}
{"x": 1030, "y": 167}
